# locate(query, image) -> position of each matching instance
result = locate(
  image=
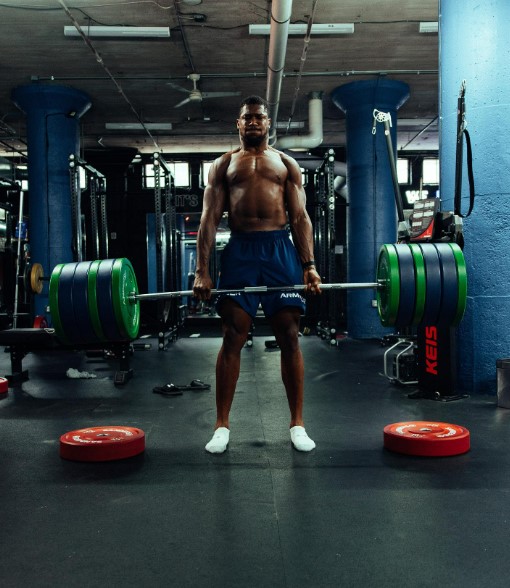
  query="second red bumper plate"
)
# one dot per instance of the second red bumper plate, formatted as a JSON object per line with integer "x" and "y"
{"x": 426, "y": 438}
{"x": 102, "y": 443}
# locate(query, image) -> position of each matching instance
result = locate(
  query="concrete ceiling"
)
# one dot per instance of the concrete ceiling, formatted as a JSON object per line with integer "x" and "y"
{"x": 211, "y": 38}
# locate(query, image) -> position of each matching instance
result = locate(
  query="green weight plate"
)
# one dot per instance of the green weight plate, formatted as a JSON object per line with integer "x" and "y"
{"x": 127, "y": 314}
{"x": 407, "y": 286}
{"x": 388, "y": 274}
{"x": 421, "y": 283}
{"x": 92, "y": 301}
{"x": 53, "y": 301}
{"x": 462, "y": 281}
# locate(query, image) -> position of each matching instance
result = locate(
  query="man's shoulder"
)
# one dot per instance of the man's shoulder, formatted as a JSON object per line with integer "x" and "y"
{"x": 287, "y": 159}
{"x": 225, "y": 158}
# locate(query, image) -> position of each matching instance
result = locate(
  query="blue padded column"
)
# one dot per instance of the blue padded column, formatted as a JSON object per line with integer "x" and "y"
{"x": 53, "y": 114}
{"x": 474, "y": 45}
{"x": 372, "y": 217}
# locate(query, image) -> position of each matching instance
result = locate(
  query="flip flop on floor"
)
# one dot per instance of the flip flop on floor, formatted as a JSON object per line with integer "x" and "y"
{"x": 198, "y": 385}
{"x": 168, "y": 390}
{"x": 175, "y": 390}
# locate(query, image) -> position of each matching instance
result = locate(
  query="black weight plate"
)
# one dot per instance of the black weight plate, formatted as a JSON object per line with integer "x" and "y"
{"x": 80, "y": 302}
{"x": 407, "y": 286}
{"x": 433, "y": 280}
{"x": 104, "y": 301}
{"x": 450, "y": 284}
{"x": 70, "y": 327}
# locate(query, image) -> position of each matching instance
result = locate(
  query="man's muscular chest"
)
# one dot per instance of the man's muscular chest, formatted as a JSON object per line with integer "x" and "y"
{"x": 249, "y": 167}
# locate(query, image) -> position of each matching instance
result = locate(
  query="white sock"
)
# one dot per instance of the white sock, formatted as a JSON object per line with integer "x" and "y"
{"x": 219, "y": 441}
{"x": 300, "y": 439}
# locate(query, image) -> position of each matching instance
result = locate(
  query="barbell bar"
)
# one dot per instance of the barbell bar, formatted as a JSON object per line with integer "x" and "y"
{"x": 256, "y": 290}
{"x": 417, "y": 283}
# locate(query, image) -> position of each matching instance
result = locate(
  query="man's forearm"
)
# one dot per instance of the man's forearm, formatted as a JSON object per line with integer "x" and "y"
{"x": 205, "y": 239}
{"x": 302, "y": 234}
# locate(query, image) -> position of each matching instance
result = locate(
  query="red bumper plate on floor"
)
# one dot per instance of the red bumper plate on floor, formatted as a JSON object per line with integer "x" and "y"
{"x": 102, "y": 443}
{"x": 426, "y": 438}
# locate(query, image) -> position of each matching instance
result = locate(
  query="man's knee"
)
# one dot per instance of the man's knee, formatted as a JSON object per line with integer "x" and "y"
{"x": 286, "y": 329}
{"x": 234, "y": 336}
{"x": 236, "y": 326}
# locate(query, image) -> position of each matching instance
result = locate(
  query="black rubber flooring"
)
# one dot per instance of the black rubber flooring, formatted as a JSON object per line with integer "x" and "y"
{"x": 349, "y": 514}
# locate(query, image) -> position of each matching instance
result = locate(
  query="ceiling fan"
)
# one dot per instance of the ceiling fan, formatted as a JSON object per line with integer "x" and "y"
{"x": 196, "y": 95}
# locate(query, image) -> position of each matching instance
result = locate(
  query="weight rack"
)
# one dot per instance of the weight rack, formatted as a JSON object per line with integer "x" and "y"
{"x": 324, "y": 245}
{"x": 170, "y": 314}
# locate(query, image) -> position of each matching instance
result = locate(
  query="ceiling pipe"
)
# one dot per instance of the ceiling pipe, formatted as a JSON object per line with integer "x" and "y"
{"x": 281, "y": 11}
{"x": 315, "y": 134}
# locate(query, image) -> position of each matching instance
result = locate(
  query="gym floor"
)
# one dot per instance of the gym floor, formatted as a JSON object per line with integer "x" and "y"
{"x": 350, "y": 513}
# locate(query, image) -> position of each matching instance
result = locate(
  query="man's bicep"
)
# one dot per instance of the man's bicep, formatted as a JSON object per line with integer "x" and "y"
{"x": 215, "y": 192}
{"x": 296, "y": 199}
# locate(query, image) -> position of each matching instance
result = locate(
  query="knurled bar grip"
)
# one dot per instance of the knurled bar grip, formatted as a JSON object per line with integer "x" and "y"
{"x": 257, "y": 290}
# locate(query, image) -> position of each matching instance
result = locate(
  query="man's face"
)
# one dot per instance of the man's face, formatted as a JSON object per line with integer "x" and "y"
{"x": 253, "y": 124}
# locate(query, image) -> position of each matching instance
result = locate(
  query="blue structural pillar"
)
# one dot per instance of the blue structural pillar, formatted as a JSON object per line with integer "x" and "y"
{"x": 474, "y": 47}
{"x": 53, "y": 114}
{"x": 372, "y": 216}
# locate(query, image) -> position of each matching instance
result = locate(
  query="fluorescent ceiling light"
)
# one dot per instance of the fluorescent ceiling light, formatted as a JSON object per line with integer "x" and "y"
{"x": 429, "y": 27}
{"x": 123, "y": 32}
{"x": 301, "y": 28}
{"x": 138, "y": 126}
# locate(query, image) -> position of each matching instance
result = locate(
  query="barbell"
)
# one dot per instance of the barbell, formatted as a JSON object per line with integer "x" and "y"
{"x": 417, "y": 284}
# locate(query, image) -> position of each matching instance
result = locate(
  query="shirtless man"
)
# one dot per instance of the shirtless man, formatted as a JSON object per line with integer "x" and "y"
{"x": 261, "y": 190}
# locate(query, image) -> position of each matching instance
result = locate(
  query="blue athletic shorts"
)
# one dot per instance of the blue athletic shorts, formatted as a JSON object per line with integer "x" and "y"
{"x": 261, "y": 258}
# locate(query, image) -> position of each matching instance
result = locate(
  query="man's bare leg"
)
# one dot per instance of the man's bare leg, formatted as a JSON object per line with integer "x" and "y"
{"x": 285, "y": 324}
{"x": 236, "y": 324}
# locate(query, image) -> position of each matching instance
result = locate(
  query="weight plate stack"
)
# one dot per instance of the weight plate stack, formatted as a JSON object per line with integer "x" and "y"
{"x": 388, "y": 274}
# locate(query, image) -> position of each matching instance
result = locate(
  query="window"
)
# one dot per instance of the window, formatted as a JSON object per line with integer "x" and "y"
{"x": 204, "y": 172}
{"x": 430, "y": 171}
{"x": 22, "y": 176}
{"x": 83, "y": 178}
{"x": 403, "y": 170}
{"x": 180, "y": 172}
